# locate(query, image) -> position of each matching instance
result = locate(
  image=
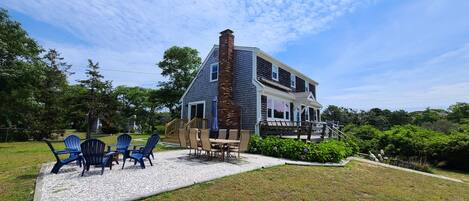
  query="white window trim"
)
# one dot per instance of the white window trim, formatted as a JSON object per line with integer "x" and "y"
{"x": 272, "y": 98}
{"x": 272, "y": 74}
{"x": 189, "y": 108}
{"x": 292, "y": 80}
{"x": 211, "y": 71}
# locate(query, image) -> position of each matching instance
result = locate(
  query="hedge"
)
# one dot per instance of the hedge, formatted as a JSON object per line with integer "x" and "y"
{"x": 327, "y": 151}
{"x": 409, "y": 141}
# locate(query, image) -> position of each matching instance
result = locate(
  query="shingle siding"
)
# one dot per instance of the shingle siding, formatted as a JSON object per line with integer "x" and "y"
{"x": 300, "y": 85}
{"x": 244, "y": 92}
{"x": 312, "y": 88}
{"x": 202, "y": 89}
{"x": 284, "y": 77}
{"x": 264, "y": 71}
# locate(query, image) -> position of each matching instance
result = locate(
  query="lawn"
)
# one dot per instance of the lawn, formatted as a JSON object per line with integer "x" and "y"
{"x": 20, "y": 163}
{"x": 357, "y": 181}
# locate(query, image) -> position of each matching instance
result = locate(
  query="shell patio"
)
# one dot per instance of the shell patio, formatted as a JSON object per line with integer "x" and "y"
{"x": 171, "y": 170}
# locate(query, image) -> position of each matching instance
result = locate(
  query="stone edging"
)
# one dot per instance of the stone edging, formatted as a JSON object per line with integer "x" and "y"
{"x": 39, "y": 183}
{"x": 304, "y": 163}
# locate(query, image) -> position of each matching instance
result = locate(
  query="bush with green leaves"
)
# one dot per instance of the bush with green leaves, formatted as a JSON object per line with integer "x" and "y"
{"x": 327, "y": 151}
{"x": 410, "y": 141}
{"x": 413, "y": 142}
{"x": 365, "y": 136}
{"x": 456, "y": 151}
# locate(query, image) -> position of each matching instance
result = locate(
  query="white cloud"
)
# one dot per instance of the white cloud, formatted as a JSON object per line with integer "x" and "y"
{"x": 416, "y": 56}
{"x": 135, "y": 33}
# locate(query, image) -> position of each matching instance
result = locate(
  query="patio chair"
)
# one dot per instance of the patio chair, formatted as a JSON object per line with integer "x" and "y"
{"x": 94, "y": 154}
{"x": 61, "y": 162}
{"x": 233, "y": 134}
{"x": 222, "y": 134}
{"x": 182, "y": 135}
{"x": 122, "y": 145}
{"x": 245, "y": 135}
{"x": 206, "y": 145}
{"x": 194, "y": 143}
{"x": 139, "y": 155}
{"x": 72, "y": 144}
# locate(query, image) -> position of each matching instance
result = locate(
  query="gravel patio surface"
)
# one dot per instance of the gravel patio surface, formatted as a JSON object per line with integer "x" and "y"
{"x": 171, "y": 170}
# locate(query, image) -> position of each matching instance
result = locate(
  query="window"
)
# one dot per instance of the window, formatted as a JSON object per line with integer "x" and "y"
{"x": 274, "y": 72}
{"x": 278, "y": 109}
{"x": 292, "y": 80}
{"x": 306, "y": 86}
{"x": 214, "y": 72}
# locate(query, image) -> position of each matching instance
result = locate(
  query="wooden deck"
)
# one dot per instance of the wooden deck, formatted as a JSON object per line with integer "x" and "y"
{"x": 308, "y": 131}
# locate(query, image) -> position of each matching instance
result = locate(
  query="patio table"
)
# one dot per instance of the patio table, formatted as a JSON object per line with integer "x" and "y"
{"x": 224, "y": 144}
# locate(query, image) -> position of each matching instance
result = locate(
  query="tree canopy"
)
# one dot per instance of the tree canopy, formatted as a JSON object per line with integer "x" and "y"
{"x": 179, "y": 65}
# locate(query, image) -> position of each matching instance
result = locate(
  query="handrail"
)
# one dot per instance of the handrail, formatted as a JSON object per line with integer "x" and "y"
{"x": 199, "y": 123}
{"x": 173, "y": 126}
{"x": 302, "y": 128}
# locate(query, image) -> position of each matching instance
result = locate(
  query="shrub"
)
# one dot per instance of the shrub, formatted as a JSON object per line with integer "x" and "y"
{"x": 365, "y": 136}
{"x": 408, "y": 141}
{"x": 160, "y": 129}
{"x": 456, "y": 151}
{"x": 328, "y": 151}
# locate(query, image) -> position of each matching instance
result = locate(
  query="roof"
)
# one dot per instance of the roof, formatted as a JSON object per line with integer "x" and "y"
{"x": 258, "y": 52}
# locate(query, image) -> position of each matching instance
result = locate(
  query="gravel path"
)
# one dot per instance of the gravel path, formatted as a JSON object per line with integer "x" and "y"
{"x": 171, "y": 170}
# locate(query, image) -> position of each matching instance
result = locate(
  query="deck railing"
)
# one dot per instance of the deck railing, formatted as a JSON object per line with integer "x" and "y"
{"x": 172, "y": 127}
{"x": 293, "y": 128}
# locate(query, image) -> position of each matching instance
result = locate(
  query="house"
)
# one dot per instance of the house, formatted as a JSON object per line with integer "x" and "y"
{"x": 251, "y": 86}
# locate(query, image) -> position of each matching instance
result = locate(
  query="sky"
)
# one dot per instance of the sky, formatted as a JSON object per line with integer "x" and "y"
{"x": 370, "y": 53}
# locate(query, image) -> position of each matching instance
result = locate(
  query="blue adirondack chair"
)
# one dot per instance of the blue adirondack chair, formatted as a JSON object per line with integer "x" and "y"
{"x": 122, "y": 146}
{"x": 139, "y": 155}
{"x": 72, "y": 143}
{"x": 93, "y": 154}
{"x": 62, "y": 162}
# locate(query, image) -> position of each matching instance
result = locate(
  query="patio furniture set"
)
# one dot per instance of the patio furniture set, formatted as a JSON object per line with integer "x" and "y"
{"x": 92, "y": 152}
{"x": 199, "y": 140}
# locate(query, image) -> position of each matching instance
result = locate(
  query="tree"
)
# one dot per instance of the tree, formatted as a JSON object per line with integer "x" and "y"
{"x": 428, "y": 115}
{"x": 132, "y": 104}
{"x": 96, "y": 97}
{"x": 51, "y": 90}
{"x": 76, "y": 109}
{"x": 20, "y": 71}
{"x": 458, "y": 112}
{"x": 400, "y": 117}
{"x": 179, "y": 65}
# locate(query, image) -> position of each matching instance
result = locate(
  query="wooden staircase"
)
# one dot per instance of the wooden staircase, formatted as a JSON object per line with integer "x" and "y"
{"x": 172, "y": 128}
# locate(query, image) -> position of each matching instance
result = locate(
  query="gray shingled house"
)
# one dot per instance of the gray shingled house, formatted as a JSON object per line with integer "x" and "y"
{"x": 251, "y": 86}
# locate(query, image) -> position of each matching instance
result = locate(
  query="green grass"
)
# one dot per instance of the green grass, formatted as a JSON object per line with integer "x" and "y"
{"x": 357, "y": 181}
{"x": 20, "y": 163}
{"x": 457, "y": 174}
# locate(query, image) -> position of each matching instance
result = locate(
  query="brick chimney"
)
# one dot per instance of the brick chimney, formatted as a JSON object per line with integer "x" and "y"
{"x": 228, "y": 111}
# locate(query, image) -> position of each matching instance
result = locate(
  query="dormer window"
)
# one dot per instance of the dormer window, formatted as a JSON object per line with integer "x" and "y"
{"x": 306, "y": 86}
{"x": 292, "y": 81}
{"x": 274, "y": 72}
{"x": 214, "y": 72}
